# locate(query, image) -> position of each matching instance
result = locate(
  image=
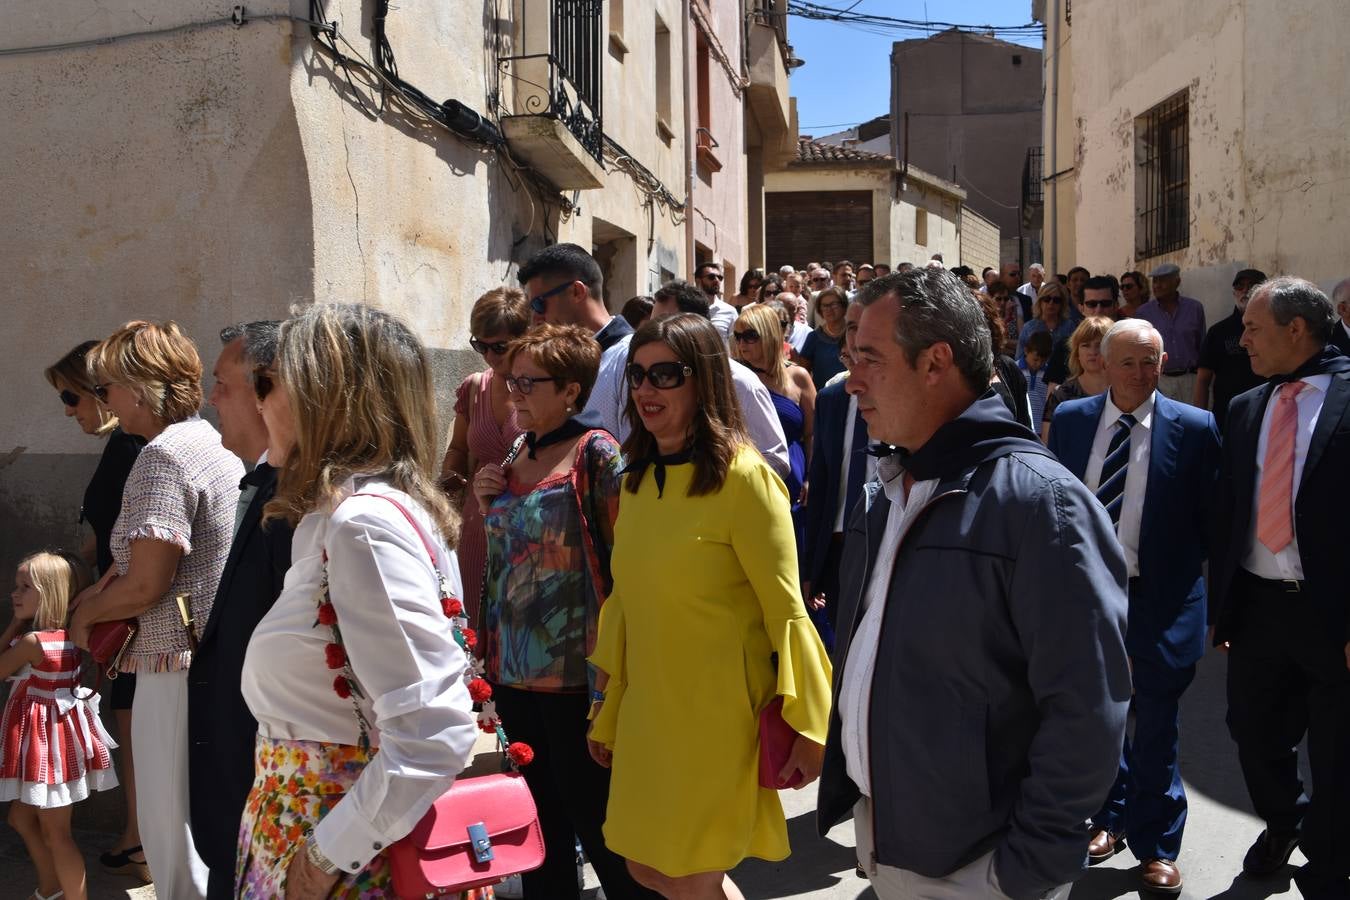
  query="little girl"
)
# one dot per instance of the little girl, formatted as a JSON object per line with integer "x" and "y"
{"x": 53, "y": 747}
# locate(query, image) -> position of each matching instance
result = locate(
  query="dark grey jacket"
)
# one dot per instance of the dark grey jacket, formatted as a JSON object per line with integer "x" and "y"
{"x": 1001, "y": 687}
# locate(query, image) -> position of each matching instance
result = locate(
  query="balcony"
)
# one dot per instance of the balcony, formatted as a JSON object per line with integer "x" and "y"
{"x": 555, "y": 123}
{"x": 768, "y": 91}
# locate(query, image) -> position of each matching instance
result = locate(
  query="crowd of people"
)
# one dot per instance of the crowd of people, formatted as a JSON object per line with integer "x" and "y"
{"x": 946, "y": 530}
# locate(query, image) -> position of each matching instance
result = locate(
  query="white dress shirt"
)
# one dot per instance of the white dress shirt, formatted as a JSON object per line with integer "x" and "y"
{"x": 855, "y": 692}
{"x": 384, "y": 588}
{"x": 850, "y": 424}
{"x": 609, "y": 394}
{"x": 1136, "y": 472}
{"x": 723, "y": 316}
{"x": 1287, "y": 564}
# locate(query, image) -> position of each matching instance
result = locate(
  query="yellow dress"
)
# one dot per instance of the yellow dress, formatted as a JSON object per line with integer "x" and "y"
{"x": 705, "y": 591}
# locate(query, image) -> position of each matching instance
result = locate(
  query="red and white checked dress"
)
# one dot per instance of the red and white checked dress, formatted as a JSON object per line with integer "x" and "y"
{"x": 55, "y": 748}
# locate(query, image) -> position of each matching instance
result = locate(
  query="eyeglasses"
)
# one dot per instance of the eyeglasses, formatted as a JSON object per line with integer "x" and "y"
{"x": 1055, "y": 300}
{"x": 748, "y": 336}
{"x": 1098, "y": 304}
{"x": 663, "y": 375}
{"x": 820, "y": 281}
{"x": 498, "y": 347}
{"x": 786, "y": 323}
{"x": 264, "y": 379}
{"x": 524, "y": 384}
{"x": 537, "y": 303}
{"x": 101, "y": 391}
{"x": 1015, "y": 274}
{"x": 70, "y": 398}
{"x": 833, "y": 304}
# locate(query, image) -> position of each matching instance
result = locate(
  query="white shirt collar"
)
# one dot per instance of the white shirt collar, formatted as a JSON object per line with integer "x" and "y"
{"x": 1143, "y": 413}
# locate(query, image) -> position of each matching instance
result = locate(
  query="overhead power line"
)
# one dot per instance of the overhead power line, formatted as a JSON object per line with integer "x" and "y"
{"x": 884, "y": 25}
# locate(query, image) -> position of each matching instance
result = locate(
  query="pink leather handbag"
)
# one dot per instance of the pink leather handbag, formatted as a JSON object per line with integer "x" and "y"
{"x": 479, "y": 832}
{"x": 776, "y": 738}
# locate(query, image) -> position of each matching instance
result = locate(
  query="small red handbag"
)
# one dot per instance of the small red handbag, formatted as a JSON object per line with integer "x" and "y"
{"x": 776, "y": 738}
{"x": 475, "y": 834}
{"x": 108, "y": 643}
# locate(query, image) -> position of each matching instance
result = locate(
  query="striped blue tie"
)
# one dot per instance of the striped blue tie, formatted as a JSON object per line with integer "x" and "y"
{"x": 1111, "y": 487}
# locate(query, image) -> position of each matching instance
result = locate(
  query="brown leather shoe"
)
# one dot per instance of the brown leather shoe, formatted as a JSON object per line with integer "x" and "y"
{"x": 1161, "y": 876}
{"x": 1104, "y": 845}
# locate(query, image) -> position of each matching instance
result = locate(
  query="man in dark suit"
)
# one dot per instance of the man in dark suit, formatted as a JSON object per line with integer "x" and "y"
{"x": 1280, "y": 601}
{"x": 840, "y": 466}
{"x": 1152, "y": 462}
{"x": 1340, "y": 332}
{"x": 221, "y": 730}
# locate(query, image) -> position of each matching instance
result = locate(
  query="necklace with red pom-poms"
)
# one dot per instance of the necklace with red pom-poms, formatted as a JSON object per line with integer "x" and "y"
{"x": 345, "y": 685}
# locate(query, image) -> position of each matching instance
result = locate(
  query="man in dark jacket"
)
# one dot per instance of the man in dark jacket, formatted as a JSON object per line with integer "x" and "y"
{"x": 981, "y": 682}
{"x": 221, "y": 730}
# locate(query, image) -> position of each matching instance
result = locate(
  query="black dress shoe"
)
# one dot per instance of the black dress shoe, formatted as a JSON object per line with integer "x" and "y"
{"x": 1269, "y": 854}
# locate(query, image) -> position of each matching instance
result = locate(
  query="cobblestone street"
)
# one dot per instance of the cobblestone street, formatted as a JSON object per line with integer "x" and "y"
{"x": 1219, "y": 830}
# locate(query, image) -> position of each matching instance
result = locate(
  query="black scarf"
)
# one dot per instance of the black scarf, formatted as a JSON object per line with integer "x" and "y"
{"x": 1329, "y": 362}
{"x": 658, "y": 464}
{"x": 569, "y": 429}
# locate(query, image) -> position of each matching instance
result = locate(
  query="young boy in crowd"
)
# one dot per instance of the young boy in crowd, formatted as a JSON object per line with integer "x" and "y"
{"x": 1034, "y": 357}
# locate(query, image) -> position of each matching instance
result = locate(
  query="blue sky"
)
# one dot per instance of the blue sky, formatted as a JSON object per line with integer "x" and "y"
{"x": 846, "y": 78}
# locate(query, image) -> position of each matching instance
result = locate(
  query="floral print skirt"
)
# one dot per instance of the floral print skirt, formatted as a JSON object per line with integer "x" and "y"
{"x": 297, "y": 783}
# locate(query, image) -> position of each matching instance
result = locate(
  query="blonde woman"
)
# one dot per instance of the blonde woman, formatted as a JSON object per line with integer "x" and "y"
{"x": 102, "y": 504}
{"x": 1087, "y": 368}
{"x": 1049, "y": 313}
{"x": 356, "y": 656}
{"x": 171, "y": 540}
{"x": 757, "y": 341}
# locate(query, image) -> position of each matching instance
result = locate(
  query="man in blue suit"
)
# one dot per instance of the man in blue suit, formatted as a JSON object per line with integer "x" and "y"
{"x": 1153, "y": 463}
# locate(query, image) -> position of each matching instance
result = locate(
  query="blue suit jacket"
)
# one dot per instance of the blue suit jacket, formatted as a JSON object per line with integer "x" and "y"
{"x": 827, "y": 464}
{"x": 1167, "y": 607}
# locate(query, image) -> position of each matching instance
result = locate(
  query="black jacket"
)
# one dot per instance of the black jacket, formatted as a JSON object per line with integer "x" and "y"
{"x": 1319, "y": 508}
{"x": 221, "y": 730}
{"x": 1001, "y": 686}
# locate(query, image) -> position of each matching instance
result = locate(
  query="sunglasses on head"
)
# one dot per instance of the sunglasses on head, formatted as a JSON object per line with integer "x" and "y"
{"x": 482, "y": 347}
{"x": 748, "y": 336}
{"x": 524, "y": 384}
{"x": 538, "y": 303}
{"x": 263, "y": 382}
{"x": 662, "y": 375}
{"x": 70, "y": 398}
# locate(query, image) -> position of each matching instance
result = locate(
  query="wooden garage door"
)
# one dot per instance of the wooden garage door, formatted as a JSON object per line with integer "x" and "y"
{"x": 815, "y": 226}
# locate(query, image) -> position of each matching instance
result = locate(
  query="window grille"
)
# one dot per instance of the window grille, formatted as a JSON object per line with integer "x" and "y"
{"x": 1162, "y": 179}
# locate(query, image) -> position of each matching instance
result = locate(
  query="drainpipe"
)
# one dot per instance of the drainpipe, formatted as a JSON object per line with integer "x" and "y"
{"x": 689, "y": 119}
{"x": 1051, "y": 183}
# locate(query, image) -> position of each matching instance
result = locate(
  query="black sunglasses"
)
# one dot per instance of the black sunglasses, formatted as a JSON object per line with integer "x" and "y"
{"x": 101, "y": 391}
{"x": 499, "y": 347}
{"x": 713, "y": 275}
{"x": 263, "y": 382}
{"x": 70, "y": 398}
{"x": 785, "y": 323}
{"x": 537, "y": 303}
{"x": 1099, "y": 304}
{"x": 748, "y": 336}
{"x": 524, "y": 384}
{"x": 663, "y": 375}
{"x": 1045, "y": 300}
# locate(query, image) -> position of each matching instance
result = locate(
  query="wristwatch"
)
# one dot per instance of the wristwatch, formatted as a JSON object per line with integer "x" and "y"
{"x": 317, "y": 859}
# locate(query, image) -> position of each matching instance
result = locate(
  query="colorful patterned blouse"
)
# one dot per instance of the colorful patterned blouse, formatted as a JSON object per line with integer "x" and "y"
{"x": 548, "y": 570}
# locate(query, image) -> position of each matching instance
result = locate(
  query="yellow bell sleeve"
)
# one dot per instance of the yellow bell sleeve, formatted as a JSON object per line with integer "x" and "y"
{"x": 766, "y": 546}
{"x": 610, "y": 657}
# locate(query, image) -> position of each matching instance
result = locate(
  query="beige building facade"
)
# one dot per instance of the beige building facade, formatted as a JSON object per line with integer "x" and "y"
{"x": 833, "y": 203}
{"x": 1212, "y": 137}
{"x": 171, "y": 161}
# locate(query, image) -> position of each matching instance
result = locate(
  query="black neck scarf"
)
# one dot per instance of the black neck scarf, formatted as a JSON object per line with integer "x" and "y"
{"x": 569, "y": 429}
{"x": 658, "y": 464}
{"x": 1328, "y": 362}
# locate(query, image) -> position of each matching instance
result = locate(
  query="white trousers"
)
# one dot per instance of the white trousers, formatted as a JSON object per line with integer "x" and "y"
{"x": 159, "y": 732}
{"x": 976, "y": 879}
{"x": 1180, "y": 388}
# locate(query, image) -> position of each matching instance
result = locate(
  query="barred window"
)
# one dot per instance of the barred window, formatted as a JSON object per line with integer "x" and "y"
{"x": 1162, "y": 178}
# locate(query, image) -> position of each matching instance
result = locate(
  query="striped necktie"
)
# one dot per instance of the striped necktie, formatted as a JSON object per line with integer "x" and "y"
{"x": 1111, "y": 486}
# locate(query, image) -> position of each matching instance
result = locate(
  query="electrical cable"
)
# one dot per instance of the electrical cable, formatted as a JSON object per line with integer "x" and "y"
{"x": 236, "y": 21}
{"x": 879, "y": 24}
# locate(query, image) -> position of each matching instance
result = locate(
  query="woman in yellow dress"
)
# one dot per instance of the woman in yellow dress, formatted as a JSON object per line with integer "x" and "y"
{"x": 705, "y": 626}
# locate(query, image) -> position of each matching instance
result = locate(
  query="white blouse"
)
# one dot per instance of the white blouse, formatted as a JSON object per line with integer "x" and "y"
{"x": 398, "y": 639}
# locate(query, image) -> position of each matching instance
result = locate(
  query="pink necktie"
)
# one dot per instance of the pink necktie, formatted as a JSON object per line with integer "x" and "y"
{"x": 1274, "y": 515}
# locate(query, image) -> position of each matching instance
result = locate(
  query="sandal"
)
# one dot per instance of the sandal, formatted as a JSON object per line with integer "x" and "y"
{"x": 122, "y": 863}
{"x": 38, "y": 895}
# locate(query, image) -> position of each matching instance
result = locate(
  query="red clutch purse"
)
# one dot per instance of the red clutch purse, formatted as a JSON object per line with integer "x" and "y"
{"x": 477, "y": 833}
{"x": 109, "y": 642}
{"x": 776, "y": 738}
